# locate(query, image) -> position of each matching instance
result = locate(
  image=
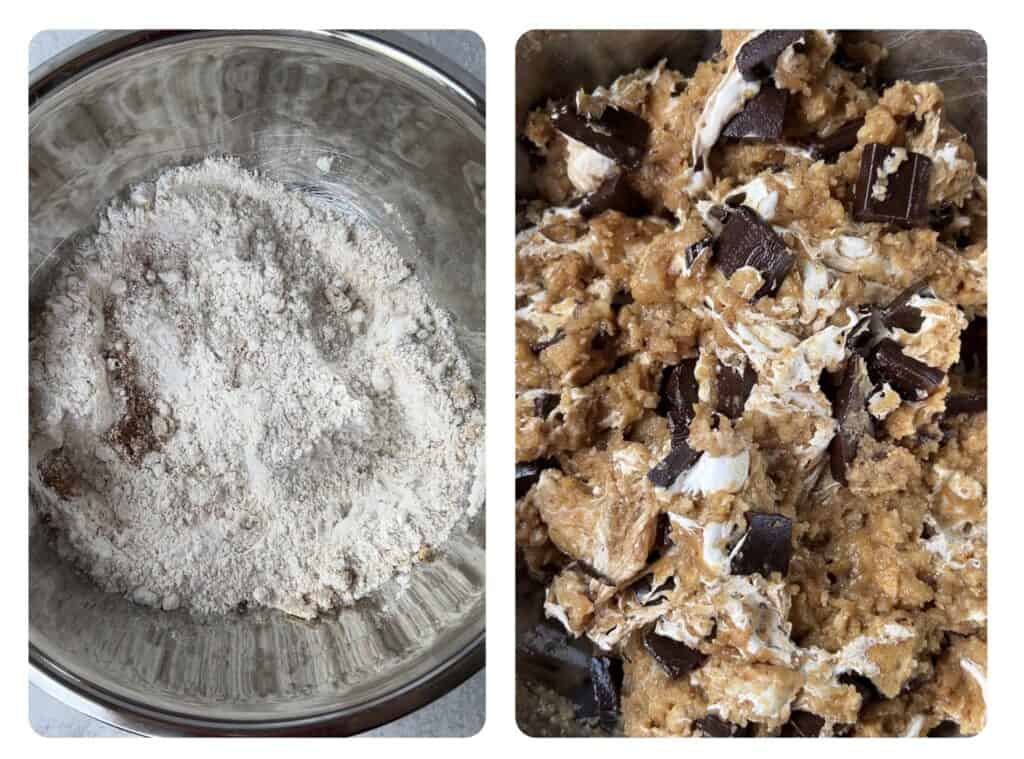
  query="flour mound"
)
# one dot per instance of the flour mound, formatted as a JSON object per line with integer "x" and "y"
{"x": 239, "y": 397}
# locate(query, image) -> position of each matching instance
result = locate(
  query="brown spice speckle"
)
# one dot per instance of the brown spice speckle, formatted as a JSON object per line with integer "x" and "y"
{"x": 132, "y": 435}
{"x": 57, "y": 473}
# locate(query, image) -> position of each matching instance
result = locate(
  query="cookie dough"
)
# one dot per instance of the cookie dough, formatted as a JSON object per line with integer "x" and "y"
{"x": 750, "y": 393}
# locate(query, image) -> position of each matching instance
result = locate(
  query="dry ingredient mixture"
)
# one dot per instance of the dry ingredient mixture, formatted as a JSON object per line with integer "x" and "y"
{"x": 751, "y": 428}
{"x": 239, "y": 397}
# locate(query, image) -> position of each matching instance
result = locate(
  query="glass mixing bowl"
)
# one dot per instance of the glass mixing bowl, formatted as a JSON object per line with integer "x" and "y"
{"x": 406, "y": 135}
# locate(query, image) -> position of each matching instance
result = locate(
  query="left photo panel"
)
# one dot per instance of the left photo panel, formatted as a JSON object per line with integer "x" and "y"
{"x": 256, "y": 277}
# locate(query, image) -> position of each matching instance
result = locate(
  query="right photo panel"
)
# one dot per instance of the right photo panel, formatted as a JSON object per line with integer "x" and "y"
{"x": 751, "y": 372}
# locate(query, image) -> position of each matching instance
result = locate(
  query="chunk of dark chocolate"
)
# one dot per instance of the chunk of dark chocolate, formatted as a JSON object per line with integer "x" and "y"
{"x": 900, "y": 314}
{"x": 618, "y": 134}
{"x": 890, "y": 190}
{"x": 803, "y": 725}
{"x": 756, "y": 58}
{"x": 713, "y": 726}
{"x": 850, "y": 411}
{"x": 528, "y": 473}
{"x": 544, "y": 403}
{"x": 614, "y": 194}
{"x": 680, "y": 393}
{"x": 747, "y": 240}
{"x": 967, "y": 402}
{"x": 678, "y": 460}
{"x": 606, "y": 676}
{"x": 733, "y": 387}
{"x": 829, "y": 148}
{"x": 911, "y": 378}
{"x": 693, "y": 252}
{"x": 761, "y": 117}
{"x": 766, "y": 547}
{"x": 677, "y": 659}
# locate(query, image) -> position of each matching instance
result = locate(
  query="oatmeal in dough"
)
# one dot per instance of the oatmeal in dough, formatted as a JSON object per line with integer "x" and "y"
{"x": 750, "y": 394}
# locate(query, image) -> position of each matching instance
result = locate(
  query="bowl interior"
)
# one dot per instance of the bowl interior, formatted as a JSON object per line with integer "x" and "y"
{"x": 407, "y": 155}
{"x": 553, "y": 64}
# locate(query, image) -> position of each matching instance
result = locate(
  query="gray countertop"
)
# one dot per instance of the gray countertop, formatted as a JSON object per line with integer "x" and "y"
{"x": 460, "y": 712}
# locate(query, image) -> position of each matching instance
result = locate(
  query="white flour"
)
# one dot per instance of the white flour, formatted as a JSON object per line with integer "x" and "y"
{"x": 239, "y": 397}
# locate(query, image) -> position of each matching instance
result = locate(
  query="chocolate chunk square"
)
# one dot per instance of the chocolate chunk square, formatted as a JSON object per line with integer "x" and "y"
{"x": 614, "y": 194}
{"x": 890, "y": 190}
{"x": 756, "y": 58}
{"x": 911, "y": 378}
{"x": 719, "y": 213}
{"x": 900, "y": 314}
{"x": 680, "y": 394}
{"x": 766, "y": 547}
{"x": 761, "y": 118}
{"x": 618, "y": 134}
{"x": 849, "y": 407}
{"x": 733, "y": 387}
{"x": 713, "y": 726}
{"x": 606, "y": 676}
{"x": 747, "y": 240}
{"x": 829, "y": 148}
{"x": 803, "y": 725}
{"x": 678, "y": 460}
{"x": 677, "y": 659}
